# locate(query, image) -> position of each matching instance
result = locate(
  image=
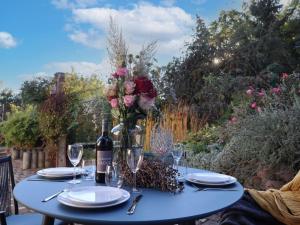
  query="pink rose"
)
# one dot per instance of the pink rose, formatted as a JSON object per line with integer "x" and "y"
{"x": 233, "y": 119}
{"x": 276, "y": 90}
{"x": 253, "y": 105}
{"x": 129, "y": 87}
{"x": 129, "y": 100}
{"x": 249, "y": 92}
{"x": 284, "y": 76}
{"x": 114, "y": 103}
{"x": 146, "y": 102}
{"x": 121, "y": 72}
{"x": 261, "y": 93}
{"x": 259, "y": 109}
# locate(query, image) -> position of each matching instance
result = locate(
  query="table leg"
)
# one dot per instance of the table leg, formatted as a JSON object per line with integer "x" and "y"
{"x": 48, "y": 220}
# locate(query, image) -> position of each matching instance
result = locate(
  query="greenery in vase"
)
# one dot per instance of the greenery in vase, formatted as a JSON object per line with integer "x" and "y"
{"x": 131, "y": 92}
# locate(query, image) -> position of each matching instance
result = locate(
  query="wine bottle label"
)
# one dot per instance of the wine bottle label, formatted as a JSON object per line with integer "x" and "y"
{"x": 104, "y": 158}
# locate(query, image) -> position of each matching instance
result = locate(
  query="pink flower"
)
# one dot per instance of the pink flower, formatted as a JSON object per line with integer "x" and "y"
{"x": 253, "y": 105}
{"x": 284, "y": 76}
{"x": 249, "y": 92}
{"x": 259, "y": 109}
{"x": 114, "y": 103}
{"x": 146, "y": 102}
{"x": 129, "y": 87}
{"x": 261, "y": 93}
{"x": 276, "y": 90}
{"x": 121, "y": 72}
{"x": 233, "y": 119}
{"x": 129, "y": 100}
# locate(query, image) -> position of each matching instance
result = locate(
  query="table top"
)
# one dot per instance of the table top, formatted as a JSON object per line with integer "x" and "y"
{"x": 155, "y": 207}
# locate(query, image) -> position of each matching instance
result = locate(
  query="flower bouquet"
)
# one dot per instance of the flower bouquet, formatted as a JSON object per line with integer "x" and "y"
{"x": 130, "y": 95}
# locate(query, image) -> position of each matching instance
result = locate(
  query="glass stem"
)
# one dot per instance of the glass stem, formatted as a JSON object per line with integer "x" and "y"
{"x": 74, "y": 174}
{"x": 134, "y": 181}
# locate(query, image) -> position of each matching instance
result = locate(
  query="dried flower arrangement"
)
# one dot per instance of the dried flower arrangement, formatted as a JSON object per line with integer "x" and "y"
{"x": 154, "y": 174}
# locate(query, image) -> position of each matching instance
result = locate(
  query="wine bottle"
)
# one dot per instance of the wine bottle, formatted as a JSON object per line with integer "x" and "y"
{"x": 104, "y": 152}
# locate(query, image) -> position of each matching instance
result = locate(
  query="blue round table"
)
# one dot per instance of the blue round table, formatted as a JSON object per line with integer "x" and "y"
{"x": 155, "y": 207}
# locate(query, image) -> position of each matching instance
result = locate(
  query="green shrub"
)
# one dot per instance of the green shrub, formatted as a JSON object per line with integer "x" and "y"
{"x": 21, "y": 128}
{"x": 199, "y": 141}
{"x": 270, "y": 138}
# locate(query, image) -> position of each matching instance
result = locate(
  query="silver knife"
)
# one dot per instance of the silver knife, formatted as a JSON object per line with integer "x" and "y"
{"x": 52, "y": 196}
{"x": 134, "y": 204}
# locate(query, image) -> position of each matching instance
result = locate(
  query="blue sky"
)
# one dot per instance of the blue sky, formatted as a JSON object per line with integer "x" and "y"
{"x": 41, "y": 37}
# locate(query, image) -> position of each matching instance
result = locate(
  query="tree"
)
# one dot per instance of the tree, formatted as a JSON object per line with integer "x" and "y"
{"x": 6, "y": 99}
{"x": 35, "y": 91}
{"x": 183, "y": 76}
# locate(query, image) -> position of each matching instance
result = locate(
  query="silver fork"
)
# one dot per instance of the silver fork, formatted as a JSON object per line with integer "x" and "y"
{"x": 212, "y": 189}
{"x": 216, "y": 189}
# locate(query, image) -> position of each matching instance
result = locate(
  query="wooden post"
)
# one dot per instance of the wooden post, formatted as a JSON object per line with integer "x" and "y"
{"x": 34, "y": 159}
{"x": 61, "y": 155}
{"x": 62, "y": 140}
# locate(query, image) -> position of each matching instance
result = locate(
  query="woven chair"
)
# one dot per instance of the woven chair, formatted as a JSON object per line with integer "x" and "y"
{"x": 7, "y": 184}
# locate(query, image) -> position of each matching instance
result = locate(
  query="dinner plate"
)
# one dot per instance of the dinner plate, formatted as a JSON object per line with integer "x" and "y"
{"x": 58, "y": 172}
{"x": 94, "y": 195}
{"x": 63, "y": 199}
{"x": 212, "y": 179}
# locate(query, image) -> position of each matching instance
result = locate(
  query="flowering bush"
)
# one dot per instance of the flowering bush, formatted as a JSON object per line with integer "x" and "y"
{"x": 263, "y": 131}
{"x": 254, "y": 100}
{"x": 130, "y": 95}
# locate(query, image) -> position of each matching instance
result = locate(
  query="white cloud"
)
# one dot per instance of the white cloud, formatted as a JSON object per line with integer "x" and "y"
{"x": 7, "y": 40}
{"x": 168, "y": 2}
{"x": 71, "y": 4}
{"x": 91, "y": 38}
{"x": 81, "y": 67}
{"x": 141, "y": 24}
{"x": 32, "y": 76}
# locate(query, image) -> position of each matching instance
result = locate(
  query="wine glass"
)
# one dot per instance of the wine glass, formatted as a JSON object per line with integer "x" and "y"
{"x": 113, "y": 177}
{"x": 134, "y": 161}
{"x": 88, "y": 167}
{"x": 177, "y": 153}
{"x": 75, "y": 152}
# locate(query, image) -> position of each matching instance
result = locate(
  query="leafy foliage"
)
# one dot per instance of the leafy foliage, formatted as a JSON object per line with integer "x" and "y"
{"x": 35, "y": 91}
{"x": 21, "y": 128}
{"x": 237, "y": 47}
{"x": 74, "y": 111}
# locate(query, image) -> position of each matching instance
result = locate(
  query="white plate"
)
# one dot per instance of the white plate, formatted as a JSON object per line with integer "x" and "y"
{"x": 57, "y": 172}
{"x": 213, "y": 179}
{"x": 94, "y": 195}
{"x": 63, "y": 199}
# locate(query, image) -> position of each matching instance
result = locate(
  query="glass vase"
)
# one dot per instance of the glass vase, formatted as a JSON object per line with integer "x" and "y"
{"x": 126, "y": 136}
